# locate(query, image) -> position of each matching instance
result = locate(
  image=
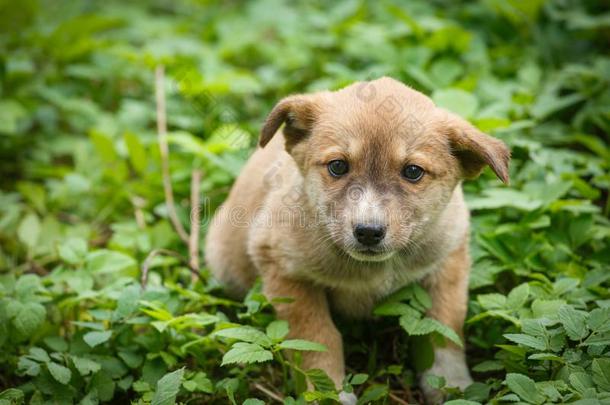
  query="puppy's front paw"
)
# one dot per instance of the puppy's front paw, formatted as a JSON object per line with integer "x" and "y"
{"x": 346, "y": 398}
{"x": 450, "y": 364}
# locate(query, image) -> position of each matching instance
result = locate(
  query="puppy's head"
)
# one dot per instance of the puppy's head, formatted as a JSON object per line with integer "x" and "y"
{"x": 380, "y": 162}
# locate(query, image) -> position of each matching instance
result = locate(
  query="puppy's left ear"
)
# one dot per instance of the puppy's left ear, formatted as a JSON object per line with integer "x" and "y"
{"x": 474, "y": 149}
{"x": 299, "y": 112}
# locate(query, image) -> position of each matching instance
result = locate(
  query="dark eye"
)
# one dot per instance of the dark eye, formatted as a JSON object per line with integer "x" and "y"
{"x": 338, "y": 168}
{"x": 412, "y": 173}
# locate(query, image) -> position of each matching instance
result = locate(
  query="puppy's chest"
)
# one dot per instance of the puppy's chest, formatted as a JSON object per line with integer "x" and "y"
{"x": 359, "y": 300}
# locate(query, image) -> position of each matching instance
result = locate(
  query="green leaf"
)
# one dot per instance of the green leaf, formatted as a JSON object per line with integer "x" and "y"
{"x": 137, "y": 152}
{"x": 527, "y": 340}
{"x": 246, "y": 353}
{"x": 104, "y": 385}
{"x": 518, "y": 296}
{"x": 492, "y": 301}
{"x": 12, "y": 113}
{"x": 167, "y": 388}
{"x": 320, "y": 380}
{"x": 29, "y": 230}
{"x": 85, "y": 366}
{"x": 395, "y": 309}
{"x": 253, "y": 401}
{"x": 416, "y": 327}
{"x": 127, "y": 302}
{"x": 28, "y": 366}
{"x": 359, "y": 379}
{"x": 461, "y": 402}
{"x": 246, "y": 334}
{"x": 73, "y": 250}
{"x": 38, "y": 354}
{"x": 96, "y": 338}
{"x": 525, "y": 387}
{"x": 581, "y": 382}
{"x": 29, "y": 318}
{"x": 435, "y": 381}
{"x": 456, "y": 100}
{"x": 108, "y": 261}
{"x": 303, "y": 345}
{"x": 277, "y": 330}
{"x": 574, "y": 322}
{"x": 12, "y": 395}
{"x": 546, "y": 308}
{"x": 601, "y": 373}
{"x": 60, "y": 373}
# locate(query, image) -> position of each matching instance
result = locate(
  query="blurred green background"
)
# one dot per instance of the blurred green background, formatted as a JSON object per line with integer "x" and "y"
{"x": 82, "y": 204}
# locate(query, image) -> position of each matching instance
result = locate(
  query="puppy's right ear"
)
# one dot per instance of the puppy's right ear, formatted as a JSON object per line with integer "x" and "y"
{"x": 299, "y": 112}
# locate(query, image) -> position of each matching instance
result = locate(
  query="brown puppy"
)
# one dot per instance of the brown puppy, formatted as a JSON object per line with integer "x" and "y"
{"x": 359, "y": 196}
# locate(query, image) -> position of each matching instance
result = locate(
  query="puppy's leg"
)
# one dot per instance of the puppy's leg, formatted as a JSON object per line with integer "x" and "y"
{"x": 449, "y": 292}
{"x": 309, "y": 318}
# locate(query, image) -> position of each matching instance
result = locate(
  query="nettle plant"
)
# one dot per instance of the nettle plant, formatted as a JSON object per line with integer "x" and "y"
{"x": 557, "y": 347}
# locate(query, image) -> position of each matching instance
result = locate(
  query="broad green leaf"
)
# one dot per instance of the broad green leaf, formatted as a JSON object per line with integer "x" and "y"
{"x": 246, "y": 353}
{"x": 96, "y": 337}
{"x": 104, "y": 385}
{"x": 277, "y": 330}
{"x": 246, "y": 334}
{"x": 358, "y": 379}
{"x": 574, "y": 322}
{"x": 60, "y": 373}
{"x": 395, "y": 309}
{"x": 546, "y": 308}
{"x": 73, "y": 250}
{"x": 525, "y": 387}
{"x": 12, "y": 114}
{"x": 137, "y": 152}
{"x": 320, "y": 380}
{"x": 302, "y": 345}
{"x": 128, "y": 302}
{"x": 29, "y": 230}
{"x": 12, "y": 395}
{"x": 28, "y": 366}
{"x": 459, "y": 101}
{"x": 581, "y": 382}
{"x": 253, "y": 401}
{"x": 168, "y": 387}
{"x": 492, "y": 301}
{"x": 601, "y": 373}
{"x": 527, "y": 340}
{"x": 108, "y": 261}
{"x": 29, "y": 318}
{"x": 518, "y": 296}
{"x": 38, "y": 354}
{"x": 85, "y": 366}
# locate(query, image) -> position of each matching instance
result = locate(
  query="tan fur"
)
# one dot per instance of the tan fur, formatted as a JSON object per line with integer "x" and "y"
{"x": 287, "y": 220}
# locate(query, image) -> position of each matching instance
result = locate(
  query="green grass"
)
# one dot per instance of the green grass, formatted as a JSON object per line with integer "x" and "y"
{"x": 82, "y": 203}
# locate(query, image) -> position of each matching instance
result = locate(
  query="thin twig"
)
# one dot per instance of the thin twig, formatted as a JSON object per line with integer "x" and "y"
{"x": 397, "y": 399}
{"x": 164, "y": 153}
{"x": 166, "y": 252}
{"x": 268, "y": 392}
{"x": 195, "y": 222}
{"x": 137, "y": 203}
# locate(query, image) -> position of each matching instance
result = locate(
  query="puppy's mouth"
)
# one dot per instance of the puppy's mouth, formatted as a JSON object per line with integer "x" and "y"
{"x": 370, "y": 255}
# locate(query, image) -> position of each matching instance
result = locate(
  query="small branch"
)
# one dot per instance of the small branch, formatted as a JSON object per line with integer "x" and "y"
{"x": 268, "y": 392}
{"x": 164, "y": 153}
{"x": 155, "y": 253}
{"x": 397, "y": 399}
{"x": 195, "y": 222}
{"x": 137, "y": 203}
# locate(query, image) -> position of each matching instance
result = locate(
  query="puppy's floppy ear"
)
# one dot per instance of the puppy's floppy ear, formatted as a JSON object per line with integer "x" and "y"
{"x": 299, "y": 112}
{"x": 474, "y": 149}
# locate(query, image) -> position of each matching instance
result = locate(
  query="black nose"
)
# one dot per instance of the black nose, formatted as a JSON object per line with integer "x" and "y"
{"x": 369, "y": 234}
